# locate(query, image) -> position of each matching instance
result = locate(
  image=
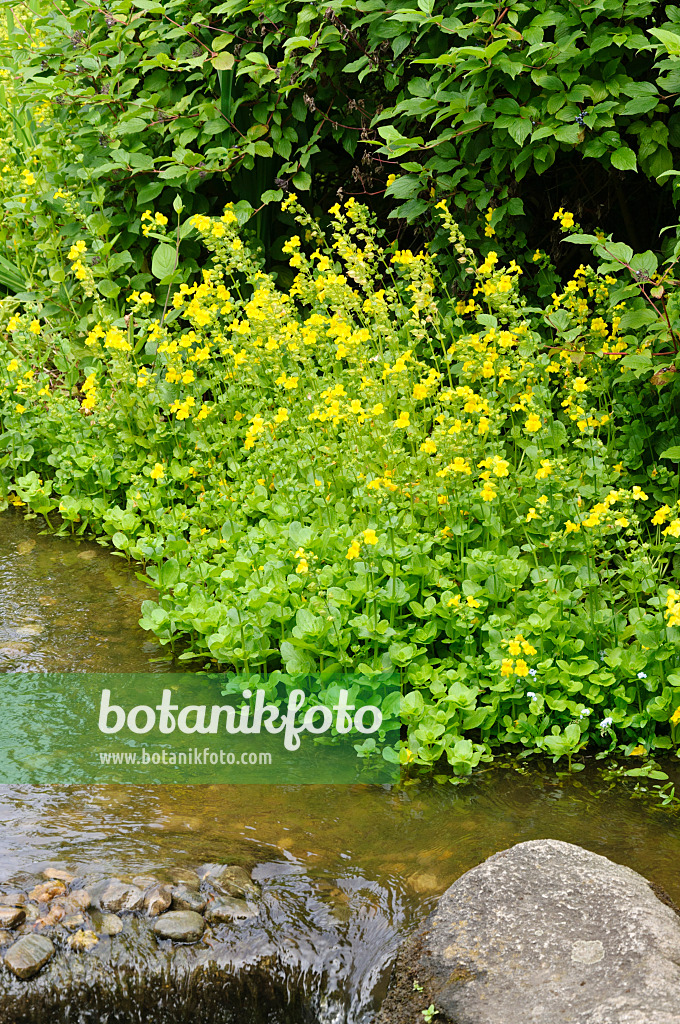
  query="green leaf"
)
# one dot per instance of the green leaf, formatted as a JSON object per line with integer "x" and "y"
{"x": 671, "y": 453}
{"x": 163, "y": 262}
{"x": 624, "y": 159}
{"x": 302, "y": 180}
{"x": 223, "y": 61}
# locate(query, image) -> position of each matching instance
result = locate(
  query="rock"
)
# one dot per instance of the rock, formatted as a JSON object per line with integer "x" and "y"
{"x": 47, "y": 891}
{"x": 186, "y": 878}
{"x": 145, "y": 881}
{"x": 28, "y": 955}
{"x": 32, "y": 912}
{"x": 231, "y": 880}
{"x": 116, "y": 896}
{"x": 542, "y": 933}
{"x": 12, "y": 917}
{"x": 110, "y": 925}
{"x": 180, "y": 926}
{"x": 79, "y": 899}
{"x": 82, "y": 940}
{"x": 158, "y": 899}
{"x": 13, "y": 899}
{"x": 6, "y": 938}
{"x": 52, "y": 917}
{"x": 73, "y": 922}
{"x": 187, "y": 899}
{"x": 228, "y": 909}
{"x": 59, "y": 874}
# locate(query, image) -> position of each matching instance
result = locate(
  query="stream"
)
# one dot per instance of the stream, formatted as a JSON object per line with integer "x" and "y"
{"x": 346, "y": 872}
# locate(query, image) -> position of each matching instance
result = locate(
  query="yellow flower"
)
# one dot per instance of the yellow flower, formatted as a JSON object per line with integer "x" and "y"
{"x": 580, "y": 384}
{"x": 533, "y": 423}
{"x": 531, "y": 514}
{"x": 354, "y": 550}
{"x": 571, "y": 527}
{"x": 403, "y": 421}
{"x": 157, "y": 473}
{"x": 428, "y": 446}
{"x": 521, "y": 667}
{"x": 675, "y": 717}
{"x": 377, "y": 409}
{"x": 12, "y": 366}
{"x": 370, "y": 537}
{"x": 20, "y": 408}
{"x": 302, "y": 566}
{"x": 35, "y": 327}
{"x": 638, "y": 751}
{"x": 507, "y": 666}
{"x": 472, "y": 603}
{"x": 638, "y": 494}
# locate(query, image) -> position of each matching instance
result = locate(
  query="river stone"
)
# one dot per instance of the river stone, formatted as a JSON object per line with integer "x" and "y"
{"x": 13, "y": 899}
{"x": 6, "y": 938}
{"x": 73, "y": 922}
{"x": 230, "y": 879}
{"x": 59, "y": 874}
{"x": 185, "y": 877}
{"x": 116, "y": 896}
{"x": 47, "y": 891}
{"x": 79, "y": 899}
{"x": 28, "y": 955}
{"x": 228, "y": 909}
{"x": 542, "y": 933}
{"x": 158, "y": 899}
{"x": 180, "y": 926}
{"x": 11, "y": 917}
{"x": 145, "y": 881}
{"x": 82, "y": 940}
{"x": 110, "y": 925}
{"x": 187, "y": 899}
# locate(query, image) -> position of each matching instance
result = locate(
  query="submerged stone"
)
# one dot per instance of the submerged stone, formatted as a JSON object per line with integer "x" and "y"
{"x": 180, "y": 926}
{"x": 187, "y": 899}
{"x": 110, "y": 925}
{"x": 116, "y": 896}
{"x": 83, "y": 940}
{"x": 228, "y": 908}
{"x": 157, "y": 900}
{"x": 230, "y": 879}
{"x": 542, "y": 933}
{"x": 28, "y": 955}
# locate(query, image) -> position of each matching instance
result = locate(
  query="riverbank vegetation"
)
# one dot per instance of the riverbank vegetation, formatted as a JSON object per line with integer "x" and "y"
{"x": 406, "y": 447}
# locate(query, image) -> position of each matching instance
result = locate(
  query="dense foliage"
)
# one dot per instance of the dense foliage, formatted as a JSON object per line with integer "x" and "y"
{"x": 343, "y": 451}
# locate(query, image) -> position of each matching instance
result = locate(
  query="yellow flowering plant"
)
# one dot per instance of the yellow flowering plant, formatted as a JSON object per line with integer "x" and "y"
{"x": 363, "y": 473}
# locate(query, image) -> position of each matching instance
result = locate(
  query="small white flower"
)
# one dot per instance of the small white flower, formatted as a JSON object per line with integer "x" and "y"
{"x": 586, "y": 712}
{"x": 532, "y": 672}
{"x": 642, "y": 675}
{"x": 530, "y": 693}
{"x": 606, "y": 723}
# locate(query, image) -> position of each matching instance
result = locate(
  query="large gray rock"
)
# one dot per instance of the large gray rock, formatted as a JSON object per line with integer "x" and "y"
{"x": 28, "y": 955}
{"x": 180, "y": 926}
{"x": 184, "y": 898}
{"x": 542, "y": 933}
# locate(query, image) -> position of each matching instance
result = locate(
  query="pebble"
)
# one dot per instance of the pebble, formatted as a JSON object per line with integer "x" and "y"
{"x": 59, "y": 874}
{"x": 110, "y": 925}
{"x": 73, "y": 922}
{"x": 83, "y": 940}
{"x": 47, "y": 891}
{"x": 185, "y": 877}
{"x": 13, "y": 899}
